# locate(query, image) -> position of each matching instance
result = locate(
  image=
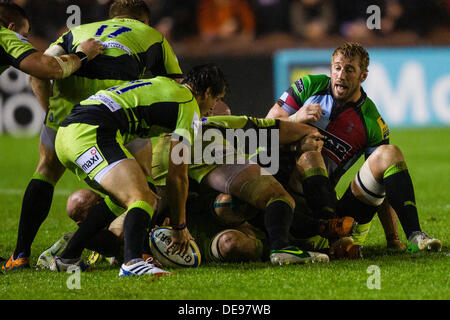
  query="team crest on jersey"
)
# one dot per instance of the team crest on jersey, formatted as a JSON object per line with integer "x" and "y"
{"x": 89, "y": 160}
{"x": 384, "y": 128}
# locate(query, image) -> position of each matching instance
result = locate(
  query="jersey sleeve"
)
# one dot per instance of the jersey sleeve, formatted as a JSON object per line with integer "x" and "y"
{"x": 65, "y": 42}
{"x": 296, "y": 95}
{"x": 14, "y": 47}
{"x": 377, "y": 128}
{"x": 188, "y": 123}
{"x": 162, "y": 61}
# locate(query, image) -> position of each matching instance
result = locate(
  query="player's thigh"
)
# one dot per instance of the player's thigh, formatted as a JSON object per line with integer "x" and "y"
{"x": 141, "y": 149}
{"x": 98, "y": 154}
{"x": 49, "y": 165}
{"x": 127, "y": 183}
{"x": 257, "y": 187}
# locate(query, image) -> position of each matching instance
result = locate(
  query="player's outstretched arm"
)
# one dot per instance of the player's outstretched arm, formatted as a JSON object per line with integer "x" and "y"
{"x": 291, "y": 132}
{"x": 177, "y": 191}
{"x": 276, "y": 112}
{"x": 52, "y": 67}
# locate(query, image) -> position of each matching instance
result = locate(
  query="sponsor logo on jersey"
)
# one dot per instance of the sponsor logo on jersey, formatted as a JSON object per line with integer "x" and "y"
{"x": 107, "y": 101}
{"x": 89, "y": 160}
{"x": 117, "y": 45}
{"x": 335, "y": 145}
{"x": 300, "y": 86}
{"x": 384, "y": 128}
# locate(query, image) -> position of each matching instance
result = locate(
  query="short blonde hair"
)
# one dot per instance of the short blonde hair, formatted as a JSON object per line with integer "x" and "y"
{"x": 352, "y": 50}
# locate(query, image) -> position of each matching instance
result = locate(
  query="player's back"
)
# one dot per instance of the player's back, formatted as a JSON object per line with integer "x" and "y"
{"x": 139, "y": 108}
{"x": 132, "y": 48}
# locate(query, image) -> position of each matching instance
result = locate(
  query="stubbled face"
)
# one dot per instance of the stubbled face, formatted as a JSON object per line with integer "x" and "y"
{"x": 346, "y": 78}
{"x": 208, "y": 101}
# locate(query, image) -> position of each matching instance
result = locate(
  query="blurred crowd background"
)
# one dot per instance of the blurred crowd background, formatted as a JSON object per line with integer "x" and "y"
{"x": 241, "y": 27}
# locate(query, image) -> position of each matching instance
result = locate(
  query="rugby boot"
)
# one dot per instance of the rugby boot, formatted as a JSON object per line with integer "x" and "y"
{"x": 60, "y": 264}
{"x": 46, "y": 257}
{"x": 141, "y": 267}
{"x": 293, "y": 255}
{"x": 345, "y": 248}
{"x": 151, "y": 259}
{"x": 21, "y": 262}
{"x": 336, "y": 228}
{"x": 93, "y": 258}
{"x": 419, "y": 241}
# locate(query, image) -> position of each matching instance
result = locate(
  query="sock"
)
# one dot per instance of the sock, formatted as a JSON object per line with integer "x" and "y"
{"x": 304, "y": 226}
{"x": 319, "y": 193}
{"x": 135, "y": 228}
{"x": 98, "y": 218}
{"x": 278, "y": 220}
{"x": 36, "y": 204}
{"x": 360, "y": 233}
{"x": 105, "y": 242}
{"x": 400, "y": 194}
{"x": 146, "y": 248}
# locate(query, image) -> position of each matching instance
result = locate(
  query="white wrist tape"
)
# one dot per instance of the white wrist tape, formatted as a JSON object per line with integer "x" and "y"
{"x": 68, "y": 64}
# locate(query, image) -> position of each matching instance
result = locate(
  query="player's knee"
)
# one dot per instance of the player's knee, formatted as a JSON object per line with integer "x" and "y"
{"x": 50, "y": 166}
{"x": 236, "y": 246}
{"x": 79, "y": 203}
{"x": 383, "y": 157}
{"x": 143, "y": 195}
{"x": 308, "y": 160}
{"x": 231, "y": 211}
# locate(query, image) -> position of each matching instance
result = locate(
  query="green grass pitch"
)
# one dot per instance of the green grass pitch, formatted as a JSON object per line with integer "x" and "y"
{"x": 402, "y": 276}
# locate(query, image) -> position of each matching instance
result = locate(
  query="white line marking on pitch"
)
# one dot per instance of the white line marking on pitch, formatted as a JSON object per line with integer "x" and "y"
{"x": 16, "y": 192}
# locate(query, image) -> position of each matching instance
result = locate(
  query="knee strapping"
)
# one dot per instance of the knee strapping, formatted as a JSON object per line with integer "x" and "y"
{"x": 373, "y": 191}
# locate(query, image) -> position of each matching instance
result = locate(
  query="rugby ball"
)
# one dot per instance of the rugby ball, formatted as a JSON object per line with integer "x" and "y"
{"x": 160, "y": 238}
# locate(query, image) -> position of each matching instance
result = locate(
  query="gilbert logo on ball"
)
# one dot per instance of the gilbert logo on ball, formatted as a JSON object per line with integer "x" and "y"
{"x": 160, "y": 239}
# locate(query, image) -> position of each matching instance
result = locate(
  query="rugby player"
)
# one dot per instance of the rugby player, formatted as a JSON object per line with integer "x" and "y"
{"x": 90, "y": 142}
{"x": 340, "y": 109}
{"x": 242, "y": 180}
{"x": 17, "y": 51}
{"x": 132, "y": 49}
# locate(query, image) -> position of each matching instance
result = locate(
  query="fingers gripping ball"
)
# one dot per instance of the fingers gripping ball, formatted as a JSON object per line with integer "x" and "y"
{"x": 160, "y": 239}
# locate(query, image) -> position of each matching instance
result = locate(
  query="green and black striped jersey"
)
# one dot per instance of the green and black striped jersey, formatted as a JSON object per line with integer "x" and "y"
{"x": 13, "y": 49}
{"x": 132, "y": 50}
{"x": 142, "y": 108}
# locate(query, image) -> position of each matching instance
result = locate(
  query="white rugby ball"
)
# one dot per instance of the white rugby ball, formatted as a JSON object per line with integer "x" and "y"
{"x": 160, "y": 238}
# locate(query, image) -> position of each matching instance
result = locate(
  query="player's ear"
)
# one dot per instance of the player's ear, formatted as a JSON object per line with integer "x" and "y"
{"x": 12, "y": 26}
{"x": 364, "y": 76}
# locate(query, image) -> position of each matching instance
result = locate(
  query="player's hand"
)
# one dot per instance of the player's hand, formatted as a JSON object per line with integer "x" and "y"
{"x": 312, "y": 142}
{"x": 309, "y": 113}
{"x": 180, "y": 241}
{"x": 91, "y": 47}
